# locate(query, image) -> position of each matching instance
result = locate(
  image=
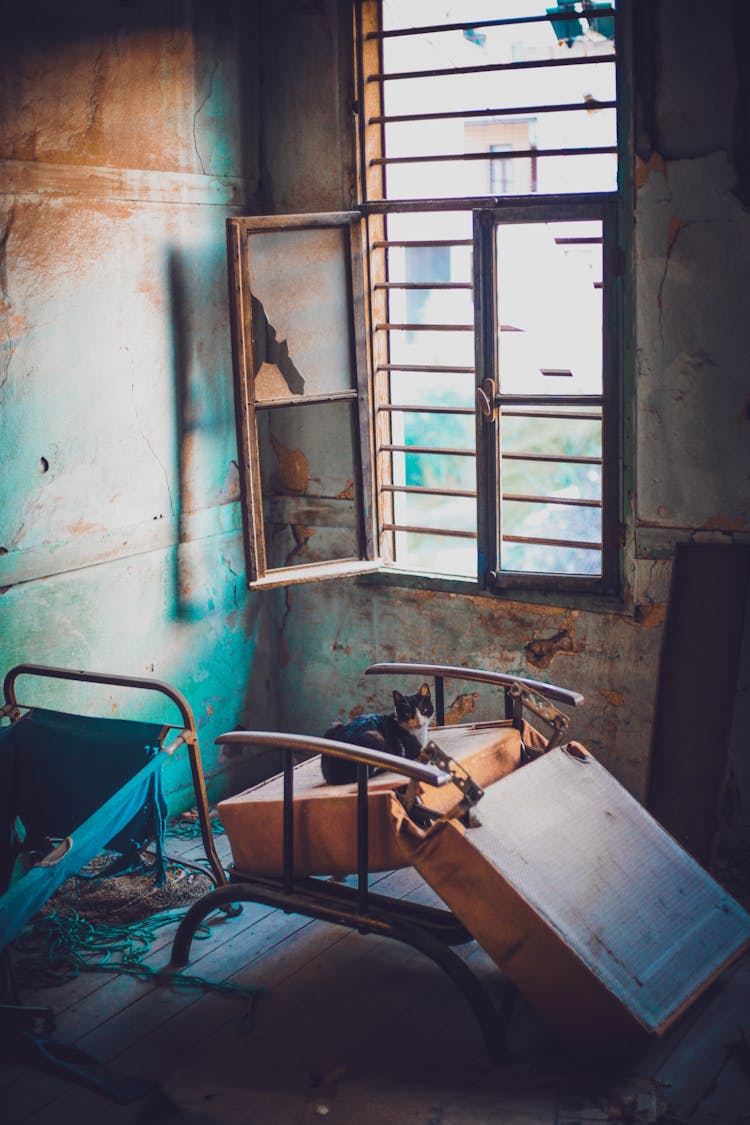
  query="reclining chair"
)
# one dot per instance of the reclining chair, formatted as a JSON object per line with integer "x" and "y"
{"x": 586, "y": 905}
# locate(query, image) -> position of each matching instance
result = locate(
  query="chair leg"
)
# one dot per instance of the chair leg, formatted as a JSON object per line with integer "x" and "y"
{"x": 219, "y": 899}
{"x": 493, "y": 1024}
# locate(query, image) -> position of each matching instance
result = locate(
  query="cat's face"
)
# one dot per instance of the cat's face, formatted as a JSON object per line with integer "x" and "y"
{"x": 414, "y": 712}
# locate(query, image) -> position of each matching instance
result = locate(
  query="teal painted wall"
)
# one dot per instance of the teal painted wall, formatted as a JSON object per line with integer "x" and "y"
{"x": 128, "y": 133}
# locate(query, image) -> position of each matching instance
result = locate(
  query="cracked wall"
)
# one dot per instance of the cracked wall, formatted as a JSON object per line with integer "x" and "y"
{"x": 128, "y": 133}
{"x": 686, "y": 447}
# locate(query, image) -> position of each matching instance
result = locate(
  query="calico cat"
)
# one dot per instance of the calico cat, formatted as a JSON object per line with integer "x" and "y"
{"x": 402, "y": 732}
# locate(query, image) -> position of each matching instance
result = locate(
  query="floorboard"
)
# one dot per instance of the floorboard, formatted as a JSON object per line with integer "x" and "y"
{"x": 358, "y": 1029}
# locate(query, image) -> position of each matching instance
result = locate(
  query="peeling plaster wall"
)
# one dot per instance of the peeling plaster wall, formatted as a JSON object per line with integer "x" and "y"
{"x": 128, "y": 133}
{"x": 686, "y": 448}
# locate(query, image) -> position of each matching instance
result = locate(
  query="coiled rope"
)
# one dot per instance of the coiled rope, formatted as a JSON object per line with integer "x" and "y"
{"x": 56, "y": 947}
{"x": 59, "y": 944}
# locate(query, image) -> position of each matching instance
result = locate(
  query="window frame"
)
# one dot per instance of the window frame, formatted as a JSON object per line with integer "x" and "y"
{"x": 608, "y": 205}
{"x": 603, "y": 207}
{"x": 239, "y": 231}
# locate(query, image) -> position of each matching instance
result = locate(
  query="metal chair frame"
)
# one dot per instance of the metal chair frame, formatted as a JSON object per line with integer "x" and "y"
{"x": 433, "y": 931}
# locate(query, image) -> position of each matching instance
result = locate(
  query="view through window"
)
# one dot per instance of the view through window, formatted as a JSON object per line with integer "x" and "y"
{"x": 489, "y": 171}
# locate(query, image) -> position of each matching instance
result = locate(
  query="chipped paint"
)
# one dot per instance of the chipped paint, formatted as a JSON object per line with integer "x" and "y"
{"x": 270, "y": 383}
{"x": 294, "y": 471}
{"x": 463, "y": 705}
{"x": 723, "y": 523}
{"x": 542, "y": 650}
{"x": 643, "y": 169}
{"x": 650, "y": 615}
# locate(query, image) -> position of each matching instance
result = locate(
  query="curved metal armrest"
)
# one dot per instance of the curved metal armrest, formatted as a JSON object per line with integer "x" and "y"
{"x": 499, "y": 679}
{"x": 188, "y": 735}
{"x": 290, "y": 743}
{"x": 138, "y": 682}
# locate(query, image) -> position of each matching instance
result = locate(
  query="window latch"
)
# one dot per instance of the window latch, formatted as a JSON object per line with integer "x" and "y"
{"x": 486, "y": 400}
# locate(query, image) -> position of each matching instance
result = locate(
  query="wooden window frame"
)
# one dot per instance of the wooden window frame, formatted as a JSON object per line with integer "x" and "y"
{"x": 248, "y": 406}
{"x": 375, "y": 204}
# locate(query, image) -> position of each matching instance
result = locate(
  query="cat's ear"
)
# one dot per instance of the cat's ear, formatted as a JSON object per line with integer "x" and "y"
{"x": 398, "y": 699}
{"x": 424, "y": 690}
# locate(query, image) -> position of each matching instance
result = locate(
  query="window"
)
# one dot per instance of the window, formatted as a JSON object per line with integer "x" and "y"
{"x": 302, "y": 407}
{"x": 489, "y": 162}
{"x": 476, "y": 374}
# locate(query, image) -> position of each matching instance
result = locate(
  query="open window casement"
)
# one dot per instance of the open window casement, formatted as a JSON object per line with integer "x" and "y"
{"x": 302, "y": 398}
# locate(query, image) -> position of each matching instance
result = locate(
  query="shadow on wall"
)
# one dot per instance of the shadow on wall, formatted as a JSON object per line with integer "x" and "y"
{"x": 238, "y": 641}
{"x": 207, "y": 483}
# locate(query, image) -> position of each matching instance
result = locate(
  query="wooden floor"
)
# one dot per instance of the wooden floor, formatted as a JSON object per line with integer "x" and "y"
{"x": 360, "y": 1030}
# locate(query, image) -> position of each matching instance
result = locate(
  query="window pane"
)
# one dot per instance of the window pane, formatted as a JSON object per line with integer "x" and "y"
{"x": 433, "y": 388}
{"x": 532, "y": 559}
{"x": 448, "y": 513}
{"x": 452, "y": 179}
{"x": 308, "y": 481}
{"x": 300, "y": 312}
{"x": 428, "y": 306}
{"x": 549, "y": 310}
{"x": 434, "y": 470}
{"x": 436, "y": 554}
{"x": 559, "y": 479}
{"x": 552, "y": 521}
{"x": 429, "y": 348}
{"x": 551, "y": 436}
{"x": 537, "y": 66}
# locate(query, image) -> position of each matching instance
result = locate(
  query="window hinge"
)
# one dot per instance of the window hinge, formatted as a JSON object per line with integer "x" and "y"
{"x": 486, "y": 400}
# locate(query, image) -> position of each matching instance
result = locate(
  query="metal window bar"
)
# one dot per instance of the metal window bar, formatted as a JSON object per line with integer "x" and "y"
{"x": 385, "y": 243}
{"x": 424, "y": 327}
{"x": 585, "y": 240}
{"x": 430, "y": 530}
{"x": 578, "y": 544}
{"x": 423, "y": 285}
{"x": 511, "y": 154}
{"x": 425, "y": 367}
{"x": 424, "y": 490}
{"x": 557, "y": 415}
{"x": 487, "y": 68}
{"x": 573, "y": 503}
{"x": 471, "y": 114}
{"x": 426, "y": 449}
{"x": 509, "y": 21}
{"x": 552, "y": 458}
{"x": 413, "y": 408}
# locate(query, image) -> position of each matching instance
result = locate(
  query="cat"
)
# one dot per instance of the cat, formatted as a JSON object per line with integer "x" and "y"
{"x": 402, "y": 732}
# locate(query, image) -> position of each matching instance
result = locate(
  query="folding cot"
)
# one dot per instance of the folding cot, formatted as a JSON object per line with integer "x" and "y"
{"x": 72, "y": 786}
{"x": 587, "y": 906}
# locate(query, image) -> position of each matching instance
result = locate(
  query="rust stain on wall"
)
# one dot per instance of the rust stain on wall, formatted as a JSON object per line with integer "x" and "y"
{"x": 347, "y": 493}
{"x": 542, "y": 650}
{"x": 464, "y": 704}
{"x": 616, "y": 698}
{"x": 720, "y": 523}
{"x": 650, "y": 614}
{"x": 644, "y": 168}
{"x": 231, "y": 488}
{"x": 81, "y": 527}
{"x": 294, "y": 472}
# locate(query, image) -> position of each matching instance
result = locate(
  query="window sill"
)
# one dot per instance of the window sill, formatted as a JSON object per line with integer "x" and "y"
{"x": 567, "y": 599}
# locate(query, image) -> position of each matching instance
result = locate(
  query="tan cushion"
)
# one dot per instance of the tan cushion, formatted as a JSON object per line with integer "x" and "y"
{"x": 325, "y": 816}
